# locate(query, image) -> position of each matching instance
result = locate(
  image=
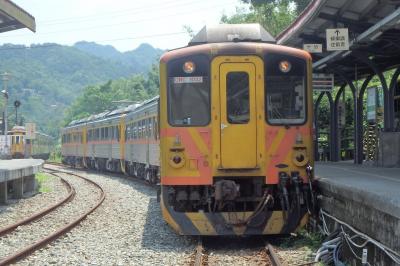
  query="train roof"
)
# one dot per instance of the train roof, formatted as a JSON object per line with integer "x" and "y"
{"x": 232, "y": 33}
{"x": 106, "y": 115}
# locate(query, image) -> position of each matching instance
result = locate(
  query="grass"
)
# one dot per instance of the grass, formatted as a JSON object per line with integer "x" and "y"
{"x": 55, "y": 156}
{"x": 41, "y": 178}
{"x": 303, "y": 240}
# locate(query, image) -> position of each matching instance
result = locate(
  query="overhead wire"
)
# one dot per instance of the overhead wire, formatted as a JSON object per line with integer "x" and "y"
{"x": 118, "y": 24}
{"x": 131, "y": 11}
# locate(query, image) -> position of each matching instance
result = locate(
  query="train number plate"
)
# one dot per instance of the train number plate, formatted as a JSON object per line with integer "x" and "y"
{"x": 188, "y": 80}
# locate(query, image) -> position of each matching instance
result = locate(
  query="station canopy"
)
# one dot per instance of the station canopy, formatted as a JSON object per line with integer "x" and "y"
{"x": 374, "y": 35}
{"x": 13, "y": 17}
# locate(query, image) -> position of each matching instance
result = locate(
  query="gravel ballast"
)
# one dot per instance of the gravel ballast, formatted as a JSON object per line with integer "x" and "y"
{"x": 127, "y": 229}
{"x": 86, "y": 196}
{"x": 17, "y": 209}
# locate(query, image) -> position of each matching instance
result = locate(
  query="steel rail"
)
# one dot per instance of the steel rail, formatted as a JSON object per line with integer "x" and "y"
{"x": 22, "y": 253}
{"x": 7, "y": 229}
{"x": 272, "y": 255}
{"x": 199, "y": 256}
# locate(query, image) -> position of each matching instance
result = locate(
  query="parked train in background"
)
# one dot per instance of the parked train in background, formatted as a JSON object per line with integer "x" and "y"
{"x": 124, "y": 140}
{"x": 20, "y": 147}
{"x": 231, "y": 129}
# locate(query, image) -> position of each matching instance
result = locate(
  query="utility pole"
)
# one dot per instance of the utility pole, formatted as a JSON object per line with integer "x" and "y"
{"x": 5, "y": 77}
{"x": 17, "y": 104}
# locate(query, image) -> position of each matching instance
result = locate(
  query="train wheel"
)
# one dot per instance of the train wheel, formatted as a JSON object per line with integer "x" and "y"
{"x": 153, "y": 178}
{"x": 148, "y": 176}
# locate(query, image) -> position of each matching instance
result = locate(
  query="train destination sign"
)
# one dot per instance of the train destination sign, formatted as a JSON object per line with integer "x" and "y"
{"x": 337, "y": 39}
{"x": 188, "y": 79}
{"x": 313, "y": 47}
{"x": 323, "y": 82}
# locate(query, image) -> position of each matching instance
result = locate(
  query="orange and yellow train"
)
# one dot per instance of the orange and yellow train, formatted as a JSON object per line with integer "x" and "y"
{"x": 234, "y": 120}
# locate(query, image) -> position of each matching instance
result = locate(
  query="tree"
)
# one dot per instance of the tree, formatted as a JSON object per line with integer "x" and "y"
{"x": 273, "y": 15}
{"x": 99, "y": 98}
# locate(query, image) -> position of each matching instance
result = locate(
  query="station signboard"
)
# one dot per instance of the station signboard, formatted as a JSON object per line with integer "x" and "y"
{"x": 313, "y": 47}
{"x": 371, "y": 104}
{"x": 337, "y": 39}
{"x": 30, "y": 131}
{"x": 323, "y": 82}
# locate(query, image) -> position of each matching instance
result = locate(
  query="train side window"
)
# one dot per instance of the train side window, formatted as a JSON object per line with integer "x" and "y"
{"x": 106, "y": 133}
{"x": 285, "y": 89}
{"x": 154, "y": 128}
{"x": 128, "y": 131}
{"x": 237, "y": 90}
{"x": 140, "y": 129}
{"x": 97, "y": 133}
{"x": 134, "y": 131}
{"x": 149, "y": 128}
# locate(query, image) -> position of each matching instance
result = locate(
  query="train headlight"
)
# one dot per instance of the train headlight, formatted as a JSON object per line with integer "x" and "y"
{"x": 285, "y": 66}
{"x": 177, "y": 160}
{"x": 189, "y": 67}
{"x": 300, "y": 157}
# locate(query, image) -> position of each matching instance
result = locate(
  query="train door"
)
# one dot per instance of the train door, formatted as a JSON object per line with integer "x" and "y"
{"x": 237, "y": 123}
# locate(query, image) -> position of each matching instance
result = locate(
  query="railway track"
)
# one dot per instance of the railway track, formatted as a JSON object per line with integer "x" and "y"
{"x": 261, "y": 253}
{"x": 28, "y": 249}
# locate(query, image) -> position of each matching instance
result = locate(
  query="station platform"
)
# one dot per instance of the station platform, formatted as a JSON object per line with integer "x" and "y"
{"x": 18, "y": 177}
{"x": 365, "y": 197}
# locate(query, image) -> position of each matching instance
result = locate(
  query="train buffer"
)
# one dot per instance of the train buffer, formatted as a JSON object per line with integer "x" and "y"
{"x": 367, "y": 198}
{"x": 17, "y": 177}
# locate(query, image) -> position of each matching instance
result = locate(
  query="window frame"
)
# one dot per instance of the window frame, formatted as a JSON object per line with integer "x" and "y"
{"x": 306, "y": 89}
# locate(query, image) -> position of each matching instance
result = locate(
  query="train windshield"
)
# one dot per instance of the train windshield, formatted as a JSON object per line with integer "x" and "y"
{"x": 285, "y": 89}
{"x": 189, "y": 101}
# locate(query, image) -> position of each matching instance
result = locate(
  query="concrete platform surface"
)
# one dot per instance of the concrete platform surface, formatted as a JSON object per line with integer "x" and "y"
{"x": 376, "y": 186}
{"x": 17, "y": 168}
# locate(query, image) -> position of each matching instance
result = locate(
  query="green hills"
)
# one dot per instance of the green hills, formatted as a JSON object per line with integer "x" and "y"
{"x": 47, "y": 78}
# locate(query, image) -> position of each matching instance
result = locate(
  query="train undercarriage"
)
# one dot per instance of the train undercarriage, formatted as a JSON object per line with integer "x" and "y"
{"x": 148, "y": 172}
{"x": 238, "y": 205}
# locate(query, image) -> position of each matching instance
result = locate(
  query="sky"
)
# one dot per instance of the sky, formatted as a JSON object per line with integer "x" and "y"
{"x": 123, "y": 24}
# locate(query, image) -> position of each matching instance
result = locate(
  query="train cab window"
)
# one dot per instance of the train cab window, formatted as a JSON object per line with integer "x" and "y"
{"x": 237, "y": 90}
{"x": 285, "y": 89}
{"x": 189, "y": 101}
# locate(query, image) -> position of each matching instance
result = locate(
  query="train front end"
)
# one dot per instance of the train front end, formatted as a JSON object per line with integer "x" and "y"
{"x": 236, "y": 135}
